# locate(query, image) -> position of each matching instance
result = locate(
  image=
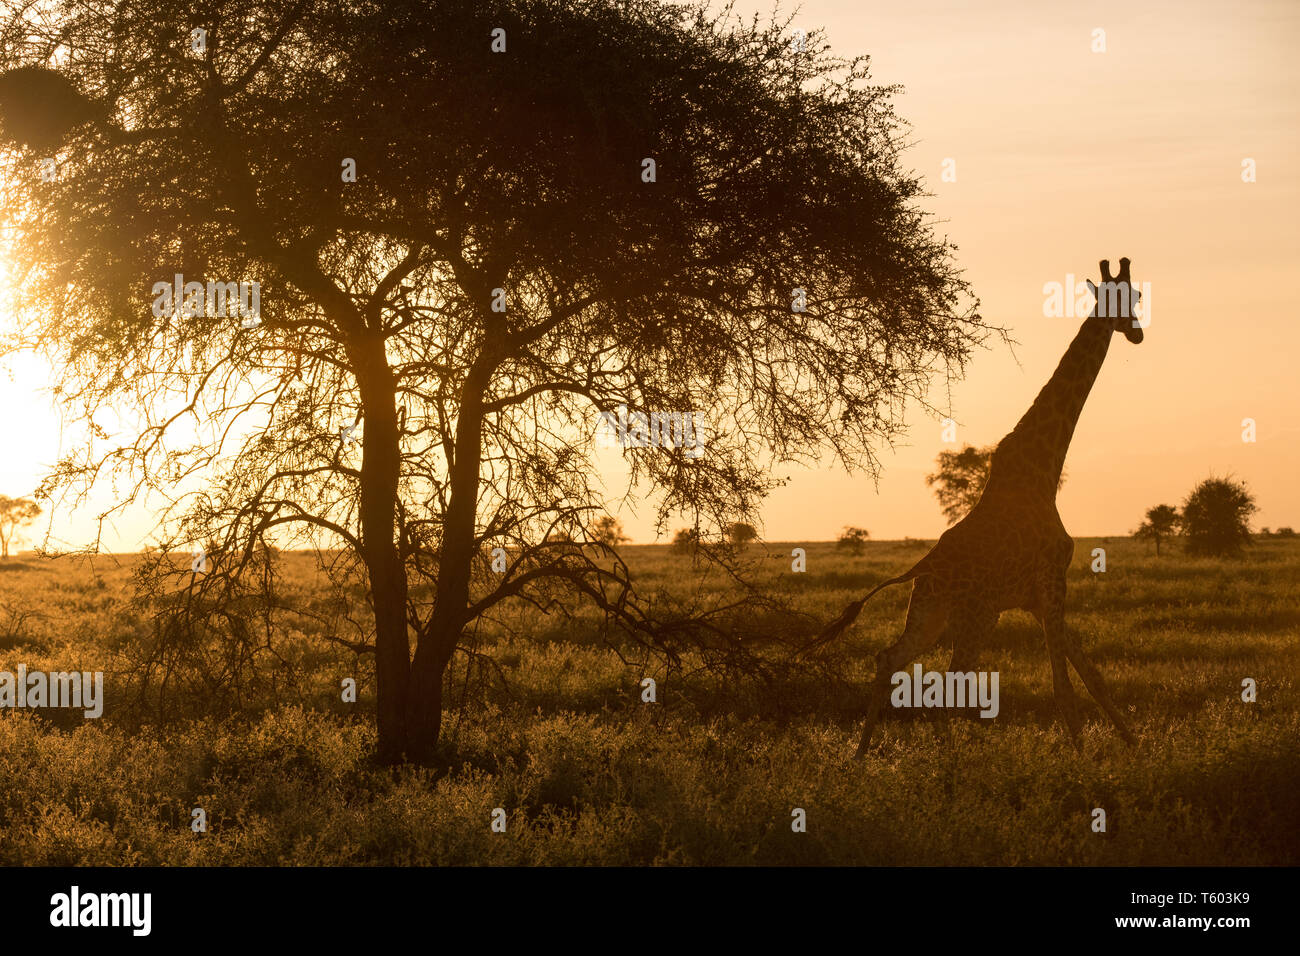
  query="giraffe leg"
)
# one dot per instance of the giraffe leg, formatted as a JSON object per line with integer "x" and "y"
{"x": 926, "y": 615}
{"x": 1096, "y": 685}
{"x": 968, "y": 631}
{"x": 1053, "y": 631}
{"x": 965, "y": 648}
{"x": 1060, "y": 645}
{"x": 1051, "y": 616}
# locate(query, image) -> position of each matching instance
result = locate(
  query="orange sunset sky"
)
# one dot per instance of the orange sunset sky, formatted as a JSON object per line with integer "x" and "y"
{"x": 1062, "y": 156}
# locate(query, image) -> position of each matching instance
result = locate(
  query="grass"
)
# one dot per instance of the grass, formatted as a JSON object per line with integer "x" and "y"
{"x": 588, "y": 774}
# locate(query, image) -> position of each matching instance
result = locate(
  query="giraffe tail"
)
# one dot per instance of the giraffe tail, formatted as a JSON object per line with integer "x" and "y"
{"x": 850, "y": 614}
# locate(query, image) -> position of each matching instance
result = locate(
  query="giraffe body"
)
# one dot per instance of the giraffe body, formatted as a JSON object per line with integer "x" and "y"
{"x": 1012, "y": 549}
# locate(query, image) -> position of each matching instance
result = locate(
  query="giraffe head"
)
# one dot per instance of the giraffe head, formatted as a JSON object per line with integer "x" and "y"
{"x": 1116, "y": 299}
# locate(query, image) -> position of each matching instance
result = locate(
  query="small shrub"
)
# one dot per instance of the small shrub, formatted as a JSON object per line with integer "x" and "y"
{"x": 740, "y": 533}
{"x": 1216, "y": 517}
{"x": 686, "y": 541}
{"x": 853, "y": 540}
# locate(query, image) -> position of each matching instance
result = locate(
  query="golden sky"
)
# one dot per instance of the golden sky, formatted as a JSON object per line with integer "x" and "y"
{"x": 1062, "y": 156}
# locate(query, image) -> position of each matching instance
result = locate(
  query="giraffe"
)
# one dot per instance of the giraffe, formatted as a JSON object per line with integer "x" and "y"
{"x": 1011, "y": 550}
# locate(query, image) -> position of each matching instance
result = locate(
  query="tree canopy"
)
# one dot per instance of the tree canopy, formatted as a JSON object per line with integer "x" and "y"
{"x": 1161, "y": 522}
{"x": 960, "y": 479}
{"x": 1216, "y": 517}
{"x": 14, "y": 513}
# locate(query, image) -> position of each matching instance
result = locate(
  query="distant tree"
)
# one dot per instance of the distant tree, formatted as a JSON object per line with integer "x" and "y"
{"x": 608, "y": 530}
{"x": 1265, "y": 533}
{"x": 1285, "y": 532}
{"x": 740, "y": 534}
{"x": 1161, "y": 522}
{"x": 961, "y": 478}
{"x": 14, "y": 513}
{"x": 1216, "y": 517}
{"x": 853, "y": 539}
{"x": 686, "y": 541}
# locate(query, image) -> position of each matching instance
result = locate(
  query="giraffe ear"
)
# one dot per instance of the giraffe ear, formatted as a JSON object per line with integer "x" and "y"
{"x": 1105, "y": 271}
{"x": 1091, "y": 288}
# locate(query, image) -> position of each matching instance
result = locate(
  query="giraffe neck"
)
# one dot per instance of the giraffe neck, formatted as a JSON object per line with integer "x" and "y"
{"x": 1034, "y": 452}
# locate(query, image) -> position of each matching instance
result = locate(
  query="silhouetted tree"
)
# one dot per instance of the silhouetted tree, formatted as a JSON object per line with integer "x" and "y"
{"x": 608, "y": 531}
{"x": 686, "y": 541}
{"x": 14, "y": 513}
{"x": 853, "y": 539}
{"x": 1161, "y": 522}
{"x": 464, "y": 257}
{"x": 1216, "y": 517}
{"x": 740, "y": 534}
{"x": 961, "y": 477}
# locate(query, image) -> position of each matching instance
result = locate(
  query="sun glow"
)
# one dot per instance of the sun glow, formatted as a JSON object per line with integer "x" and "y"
{"x": 31, "y": 422}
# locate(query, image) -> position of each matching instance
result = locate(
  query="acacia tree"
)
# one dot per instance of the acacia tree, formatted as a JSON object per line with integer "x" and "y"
{"x": 961, "y": 477}
{"x": 608, "y": 530}
{"x": 14, "y": 513}
{"x": 1161, "y": 522}
{"x": 686, "y": 541}
{"x": 1216, "y": 517}
{"x": 477, "y": 226}
{"x": 853, "y": 539}
{"x": 741, "y": 533}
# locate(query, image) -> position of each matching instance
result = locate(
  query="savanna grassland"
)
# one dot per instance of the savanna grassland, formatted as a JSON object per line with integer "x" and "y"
{"x": 549, "y": 724}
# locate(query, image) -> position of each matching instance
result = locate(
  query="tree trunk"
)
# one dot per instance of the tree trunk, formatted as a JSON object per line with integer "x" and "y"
{"x": 380, "y": 468}
{"x": 424, "y": 706}
{"x": 455, "y": 562}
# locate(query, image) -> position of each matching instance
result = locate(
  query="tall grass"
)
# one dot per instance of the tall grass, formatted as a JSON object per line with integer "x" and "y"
{"x": 588, "y": 774}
